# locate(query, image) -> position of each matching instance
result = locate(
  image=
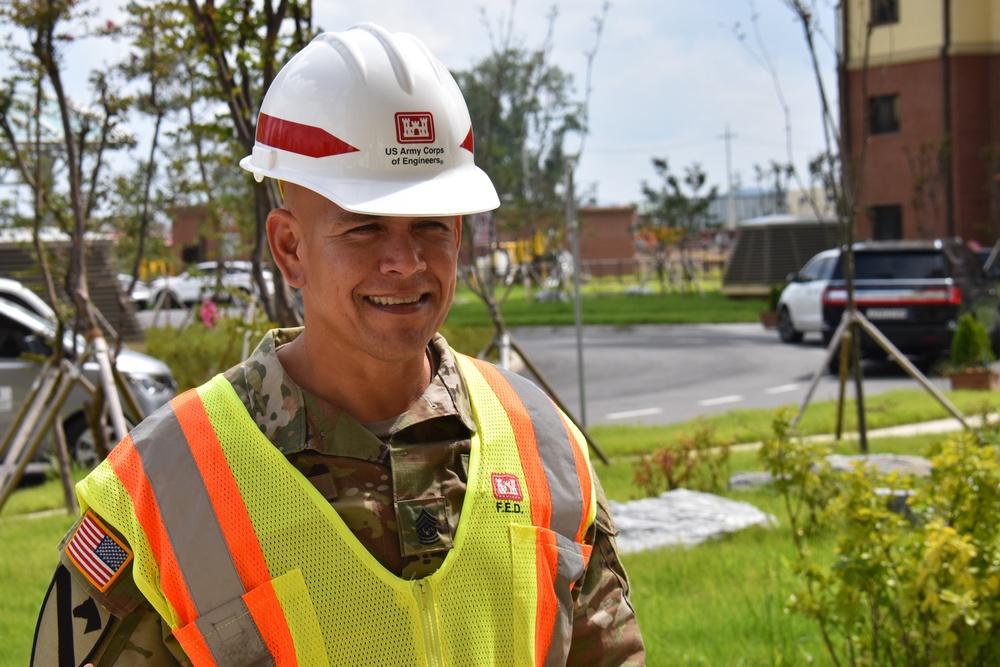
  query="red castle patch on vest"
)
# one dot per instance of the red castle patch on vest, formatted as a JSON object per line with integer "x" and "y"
{"x": 506, "y": 487}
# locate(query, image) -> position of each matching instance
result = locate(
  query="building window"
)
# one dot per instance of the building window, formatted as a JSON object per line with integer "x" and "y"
{"x": 884, "y": 110}
{"x": 887, "y": 222}
{"x": 884, "y": 12}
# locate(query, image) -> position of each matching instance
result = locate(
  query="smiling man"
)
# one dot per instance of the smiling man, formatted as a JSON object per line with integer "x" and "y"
{"x": 356, "y": 492}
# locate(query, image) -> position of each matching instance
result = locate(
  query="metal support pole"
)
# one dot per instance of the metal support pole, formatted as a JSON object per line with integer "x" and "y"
{"x": 574, "y": 228}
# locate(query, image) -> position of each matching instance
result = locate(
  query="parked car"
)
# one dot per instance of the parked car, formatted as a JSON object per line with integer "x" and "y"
{"x": 199, "y": 283}
{"x": 26, "y": 330}
{"x": 15, "y": 292}
{"x": 914, "y": 291}
{"x": 800, "y": 306}
{"x": 140, "y": 291}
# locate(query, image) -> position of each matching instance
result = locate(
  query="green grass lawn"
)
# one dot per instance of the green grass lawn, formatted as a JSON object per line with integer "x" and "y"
{"x": 607, "y": 303}
{"x": 720, "y": 603}
{"x": 717, "y": 604}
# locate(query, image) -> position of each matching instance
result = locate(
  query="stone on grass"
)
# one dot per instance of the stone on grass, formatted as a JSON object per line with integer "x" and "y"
{"x": 681, "y": 517}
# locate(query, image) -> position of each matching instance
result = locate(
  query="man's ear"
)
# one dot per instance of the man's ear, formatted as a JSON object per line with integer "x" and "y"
{"x": 458, "y": 232}
{"x": 284, "y": 236}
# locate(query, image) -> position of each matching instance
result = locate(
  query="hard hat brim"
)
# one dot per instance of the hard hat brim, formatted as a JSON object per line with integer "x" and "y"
{"x": 455, "y": 192}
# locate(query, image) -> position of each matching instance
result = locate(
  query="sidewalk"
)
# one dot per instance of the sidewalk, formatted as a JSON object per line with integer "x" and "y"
{"x": 948, "y": 425}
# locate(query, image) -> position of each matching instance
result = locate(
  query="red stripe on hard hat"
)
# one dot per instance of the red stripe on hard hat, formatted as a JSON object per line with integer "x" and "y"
{"x": 298, "y": 138}
{"x": 467, "y": 144}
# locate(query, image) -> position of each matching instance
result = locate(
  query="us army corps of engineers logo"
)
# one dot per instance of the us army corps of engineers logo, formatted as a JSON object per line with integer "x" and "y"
{"x": 507, "y": 491}
{"x": 415, "y": 127}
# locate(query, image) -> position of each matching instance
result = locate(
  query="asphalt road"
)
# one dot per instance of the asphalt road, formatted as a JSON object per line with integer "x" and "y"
{"x": 655, "y": 374}
{"x": 663, "y": 374}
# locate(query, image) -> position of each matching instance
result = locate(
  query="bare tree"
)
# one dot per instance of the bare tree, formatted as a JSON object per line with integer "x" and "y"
{"x": 520, "y": 106}
{"x": 246, "y": 47}
{"x": 43, "y": 24}
{"x": 928, "y": 166}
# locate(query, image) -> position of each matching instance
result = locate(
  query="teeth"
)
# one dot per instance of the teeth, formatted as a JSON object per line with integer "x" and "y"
{"x": 393, "y": 300}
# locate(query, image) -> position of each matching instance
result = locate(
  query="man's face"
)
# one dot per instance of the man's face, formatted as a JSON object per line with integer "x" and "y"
{"x": 375, "y": 286}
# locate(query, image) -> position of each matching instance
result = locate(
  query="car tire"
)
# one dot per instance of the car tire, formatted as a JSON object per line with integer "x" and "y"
{"x": 241, "y": 297}
{"x": 786, "y": 328}
{"x": 166, "y": 299}
{"x": 81, "y": 444}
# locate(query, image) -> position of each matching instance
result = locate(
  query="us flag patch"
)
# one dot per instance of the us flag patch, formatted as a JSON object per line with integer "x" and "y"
{"x": 99, "y": 555}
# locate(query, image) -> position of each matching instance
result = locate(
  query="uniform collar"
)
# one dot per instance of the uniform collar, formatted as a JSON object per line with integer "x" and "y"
{"x": 294, "y": 420}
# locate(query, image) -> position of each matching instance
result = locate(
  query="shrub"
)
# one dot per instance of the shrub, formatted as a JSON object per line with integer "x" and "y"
{"x": 198, "y": 352}
{"x": 918, "y": 587}
{"x": 699, "y": 463}
{"x": 970, "y": 346}
{"x": 774, "y": 295}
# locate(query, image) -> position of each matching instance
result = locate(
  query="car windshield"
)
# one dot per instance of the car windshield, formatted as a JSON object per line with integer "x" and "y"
{"x": 41, "y": 326}
{"x": 917, "y": 265}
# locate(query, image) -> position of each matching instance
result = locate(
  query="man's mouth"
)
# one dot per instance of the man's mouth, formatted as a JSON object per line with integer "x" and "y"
{"x": 395, "y": 300}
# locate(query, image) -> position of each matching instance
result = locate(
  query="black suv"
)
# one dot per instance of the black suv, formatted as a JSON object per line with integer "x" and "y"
{"x": 914, "y": 292}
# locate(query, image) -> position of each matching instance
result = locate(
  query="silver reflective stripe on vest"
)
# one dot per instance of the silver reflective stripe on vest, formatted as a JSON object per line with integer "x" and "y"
{"x": 556, "y": 452}
{"x": 570, "y": 568}
{"x": 232, "y": 636}
{"x": 203, "y": 557}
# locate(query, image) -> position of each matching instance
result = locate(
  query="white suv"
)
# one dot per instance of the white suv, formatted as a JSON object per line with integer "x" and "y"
{"x": 198, "y": 283}
{"x": 800, "y": 306}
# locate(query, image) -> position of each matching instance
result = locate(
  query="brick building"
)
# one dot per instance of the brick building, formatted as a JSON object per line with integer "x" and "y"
{"x": 607, "y": 244}
{"x": 925, "y": 113}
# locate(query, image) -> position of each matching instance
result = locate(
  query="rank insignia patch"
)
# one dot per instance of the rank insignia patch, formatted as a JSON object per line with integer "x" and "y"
{"x": 99, "y": 555}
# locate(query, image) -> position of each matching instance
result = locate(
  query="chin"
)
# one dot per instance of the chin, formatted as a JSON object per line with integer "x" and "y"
{"x": 400, "y": 348}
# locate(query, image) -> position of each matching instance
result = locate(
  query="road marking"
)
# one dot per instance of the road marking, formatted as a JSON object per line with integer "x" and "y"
{"x": 645, "y": 412}
{"x": 735, "y": 398}
{"x": 781, "y": 389}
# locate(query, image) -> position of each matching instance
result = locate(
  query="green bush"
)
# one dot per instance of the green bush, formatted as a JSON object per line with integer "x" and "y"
{"x": 774, "y": 295}
{"x": 913, "y": 585}
{"x": 699, "y": 462}
{"x": 198, "y": 352}
{"x": 970, "y": 346}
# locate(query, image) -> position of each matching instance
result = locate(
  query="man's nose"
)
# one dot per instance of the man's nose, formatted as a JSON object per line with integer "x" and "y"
{"x": 402, "y": 253}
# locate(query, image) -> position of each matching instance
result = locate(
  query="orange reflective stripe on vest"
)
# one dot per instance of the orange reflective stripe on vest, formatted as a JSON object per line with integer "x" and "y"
{"x": 559, "y": 485}
{"x": 210, "y": 554}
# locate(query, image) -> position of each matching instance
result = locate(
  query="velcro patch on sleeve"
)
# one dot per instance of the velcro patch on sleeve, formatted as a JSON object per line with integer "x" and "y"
{"x": 97, "y": 553}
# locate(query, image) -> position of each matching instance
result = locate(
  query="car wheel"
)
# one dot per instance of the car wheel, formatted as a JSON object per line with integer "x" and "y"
{"x": 241, "y": 297}
{"x": 165, "y": 299}
{"x": 786, "y": 329}
{"x": 81, "y": 442}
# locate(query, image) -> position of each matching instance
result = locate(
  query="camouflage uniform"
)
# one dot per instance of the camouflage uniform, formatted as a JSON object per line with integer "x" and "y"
{"x": 384, "y": 479}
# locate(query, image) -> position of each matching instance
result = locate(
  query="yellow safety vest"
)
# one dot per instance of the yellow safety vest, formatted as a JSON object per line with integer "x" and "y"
{"x": 247, "y": 562}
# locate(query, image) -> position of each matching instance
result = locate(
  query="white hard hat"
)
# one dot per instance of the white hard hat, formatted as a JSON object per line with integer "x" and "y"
{"x": 374, "y": 122}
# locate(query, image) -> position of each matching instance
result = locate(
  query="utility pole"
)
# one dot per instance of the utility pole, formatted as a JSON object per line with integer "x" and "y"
{"x": 730, "y": 201}
{"x": 573, "y": 226}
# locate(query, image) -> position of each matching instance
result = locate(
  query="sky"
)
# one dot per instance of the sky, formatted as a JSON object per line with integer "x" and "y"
{"x": 669, "y": 79}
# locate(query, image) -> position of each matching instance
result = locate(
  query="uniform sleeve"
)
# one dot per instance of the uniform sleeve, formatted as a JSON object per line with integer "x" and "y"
{"x": 605, "y": 630}
{"x": 79, "y": 624}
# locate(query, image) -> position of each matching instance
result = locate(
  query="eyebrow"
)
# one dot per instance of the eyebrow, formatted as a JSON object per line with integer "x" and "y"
{"x": 351, "y": 216}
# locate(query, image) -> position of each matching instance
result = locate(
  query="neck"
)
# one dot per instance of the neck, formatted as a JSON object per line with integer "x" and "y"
{"x": 368, "y": 389}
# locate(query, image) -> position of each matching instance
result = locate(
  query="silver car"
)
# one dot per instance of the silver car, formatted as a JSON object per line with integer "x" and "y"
{"x": 25, "y": 333}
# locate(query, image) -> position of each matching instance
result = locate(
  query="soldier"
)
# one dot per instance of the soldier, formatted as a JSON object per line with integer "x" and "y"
{"x": 356, "y": 492}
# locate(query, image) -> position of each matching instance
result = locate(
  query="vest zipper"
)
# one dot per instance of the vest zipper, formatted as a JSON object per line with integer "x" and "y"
{"x": 428, "y": 619}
